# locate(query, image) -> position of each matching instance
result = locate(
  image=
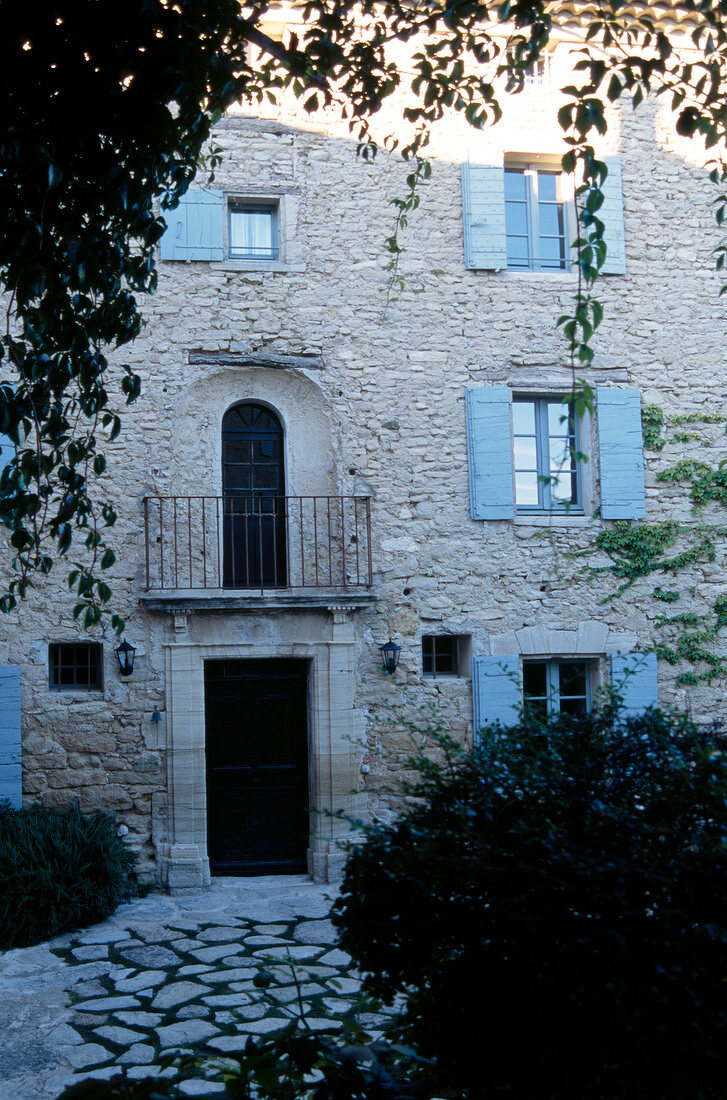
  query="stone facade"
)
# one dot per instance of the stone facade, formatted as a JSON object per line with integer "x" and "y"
{"x": 372, "y": 401}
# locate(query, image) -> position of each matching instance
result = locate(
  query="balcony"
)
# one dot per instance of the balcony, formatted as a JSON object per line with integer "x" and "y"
{"x": 257, "y": 551}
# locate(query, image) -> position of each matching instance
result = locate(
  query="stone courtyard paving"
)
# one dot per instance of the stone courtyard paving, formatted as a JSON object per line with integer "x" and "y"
{"x": 171, "y": 973}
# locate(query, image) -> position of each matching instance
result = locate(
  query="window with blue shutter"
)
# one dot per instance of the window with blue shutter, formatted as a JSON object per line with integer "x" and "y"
{"x": 612, "y": 215}
{"x": 483, "y": 205}
{"x": 489, "y": 449}
{"x": 10, "y": 770}
{"x": 634, "y": 675}
{"x": 621, "y": 454}
{"x": 195, "y": 229}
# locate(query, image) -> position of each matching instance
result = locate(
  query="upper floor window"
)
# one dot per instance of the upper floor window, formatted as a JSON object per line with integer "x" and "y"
{"x": 242, "y": 230}
{"x": 252, "y": 230}
{"x": 536, "y": 222}
{"x": 545, "y": 444}
{"x": 518, "y": 214}
{"x": 75, "y": 666}
{"x": 539, "y": 71}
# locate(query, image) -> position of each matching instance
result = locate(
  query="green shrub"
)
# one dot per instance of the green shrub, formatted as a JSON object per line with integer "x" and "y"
{"x": 57, "y": 871}
{"x": 553, "y": 908}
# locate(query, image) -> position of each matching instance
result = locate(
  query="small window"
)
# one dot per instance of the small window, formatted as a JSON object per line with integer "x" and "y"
{"x": 536, "y": 223}
{"x": 253, "y": 231}
{"x": 75, "y": 666}
{"x": 539, "y": 71}
{"x": 445, "y": 654}
{"x": 545, "y": 446}
{"x": 561, "y": 686}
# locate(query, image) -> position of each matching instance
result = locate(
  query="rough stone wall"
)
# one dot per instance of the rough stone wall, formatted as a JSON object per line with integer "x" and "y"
{"x": 391, "y": 398}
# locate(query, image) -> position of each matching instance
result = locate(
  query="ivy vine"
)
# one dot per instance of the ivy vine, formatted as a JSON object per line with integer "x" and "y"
{"x": 636, "y": 551}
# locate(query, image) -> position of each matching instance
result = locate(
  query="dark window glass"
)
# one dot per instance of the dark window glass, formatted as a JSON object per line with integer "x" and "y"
{"x": 556, "y": 687}
{"x": 439, "y": 655}
{"x": 75, "y": 665}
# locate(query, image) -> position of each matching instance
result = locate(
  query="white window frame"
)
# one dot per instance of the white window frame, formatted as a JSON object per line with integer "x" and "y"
{"x": 530, "y": 169}
{"x": 552, "y": 680}
{"x": 546, "y": 505}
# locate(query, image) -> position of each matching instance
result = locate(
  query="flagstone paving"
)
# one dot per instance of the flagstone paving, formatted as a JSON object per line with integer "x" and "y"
{"x": 172, "y": 973}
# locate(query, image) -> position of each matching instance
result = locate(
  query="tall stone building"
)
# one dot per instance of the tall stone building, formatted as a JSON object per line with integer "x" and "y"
{"x": 321, "y": 461}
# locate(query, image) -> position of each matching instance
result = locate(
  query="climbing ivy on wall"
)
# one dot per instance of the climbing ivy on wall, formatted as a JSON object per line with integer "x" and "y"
{"x": 635, "y": 551}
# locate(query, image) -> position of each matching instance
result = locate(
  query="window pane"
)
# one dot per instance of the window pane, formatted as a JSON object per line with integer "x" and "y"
{"x": 427, "y": 652}
{"x": 550, "y": 216}
{"x": 237, "y": 477}
{"x": 547, "y": 186}
{"x": 575, "y": 707}
{"x": 518, "y": 252}
{"x": 558, "y": 414}
{"x": 552, "y": 251}
{"x": 266, "y": 477}
{"x": 535, "y": 681}
{"x": 514, "y": 184}
{"x": 572, "y": 676}
{"x": 525, "y": 453}
{"x": 526, "y": 489}
{"x": 516, "y": 218}
{"x": 560, "y": 456}
{"x": 523, "y": 417}
{"x": 444, "y": 653}
{"x": 535, "y": 688}
{"x": 265, "y": 450}
{"x": 236, "y": 450}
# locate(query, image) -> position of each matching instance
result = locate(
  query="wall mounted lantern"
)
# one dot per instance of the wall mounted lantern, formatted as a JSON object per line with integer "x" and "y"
{"x": 390, "y": 656}
{"x": 126, "y": 654}
{"x": 156, "y": 716}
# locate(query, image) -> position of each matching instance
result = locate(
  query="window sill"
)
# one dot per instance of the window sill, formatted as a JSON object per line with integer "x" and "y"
{"x": 255, "y": 265}
{"x": 550, "y": 519}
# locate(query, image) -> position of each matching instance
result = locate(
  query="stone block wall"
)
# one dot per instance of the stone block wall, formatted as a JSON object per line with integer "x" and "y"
{"x": 385, "y": 417}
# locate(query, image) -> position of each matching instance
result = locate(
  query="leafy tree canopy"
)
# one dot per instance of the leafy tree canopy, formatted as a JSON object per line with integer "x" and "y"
{"x": 104, "y": 120}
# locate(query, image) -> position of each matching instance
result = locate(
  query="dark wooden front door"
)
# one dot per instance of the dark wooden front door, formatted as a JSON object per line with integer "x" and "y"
{"x": 253, "y": 500}
{"x": 257, "y": 766}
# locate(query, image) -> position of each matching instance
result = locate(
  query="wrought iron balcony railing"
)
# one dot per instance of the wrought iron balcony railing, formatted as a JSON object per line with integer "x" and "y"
{"x": 257, "y": 541}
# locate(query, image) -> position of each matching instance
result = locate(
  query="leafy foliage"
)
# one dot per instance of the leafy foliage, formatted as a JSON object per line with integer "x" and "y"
{"x": 59, "y": 871}
{"x": 553, "y": 906}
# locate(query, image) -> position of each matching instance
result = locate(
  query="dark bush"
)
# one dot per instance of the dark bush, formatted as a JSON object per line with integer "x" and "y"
{"x": 57, "y": 871}
{"x": 553, "y": 907}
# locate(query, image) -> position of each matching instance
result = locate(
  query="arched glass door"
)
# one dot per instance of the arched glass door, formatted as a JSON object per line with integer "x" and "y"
{"x": 253, "y": 500}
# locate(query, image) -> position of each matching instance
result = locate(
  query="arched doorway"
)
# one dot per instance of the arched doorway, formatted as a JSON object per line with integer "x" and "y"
{"x": 253, "y": 498}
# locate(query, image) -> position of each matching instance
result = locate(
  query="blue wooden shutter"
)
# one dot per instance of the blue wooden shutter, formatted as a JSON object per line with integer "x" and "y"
{"x": 496, "y": 690}
{"x": 612, "y": 215}
{"x": 621, "y": 454}
{"x": 10, "y": 777}
{"x": 483, "y": 208}
{"x": 634, "y": 676}
{"x": 489, "y": 447}
{"x": 195, "y": 229}
{"x": 7, "y": 451}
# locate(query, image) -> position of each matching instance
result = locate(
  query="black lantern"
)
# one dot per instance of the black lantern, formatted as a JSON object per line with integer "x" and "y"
{"x": 390, "y": 656}
{"x": 126, "y": 654}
